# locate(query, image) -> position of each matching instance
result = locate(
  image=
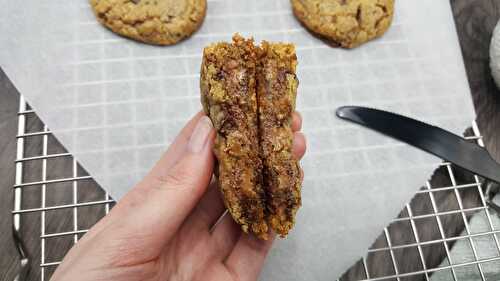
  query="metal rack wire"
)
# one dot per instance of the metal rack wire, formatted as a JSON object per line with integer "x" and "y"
{"x": 33, "y": 175}
{"x": 53, "y": 205}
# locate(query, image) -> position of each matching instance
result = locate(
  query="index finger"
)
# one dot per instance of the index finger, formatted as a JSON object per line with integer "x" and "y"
{"x": 174, "y": 151}
{"x": 248, "y": 256}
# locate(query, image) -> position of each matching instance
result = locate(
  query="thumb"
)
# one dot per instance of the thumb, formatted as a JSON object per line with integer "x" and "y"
{"x": 154, "y": 210}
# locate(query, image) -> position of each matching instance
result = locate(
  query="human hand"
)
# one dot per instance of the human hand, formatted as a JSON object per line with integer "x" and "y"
{"x": 163, "y": 229}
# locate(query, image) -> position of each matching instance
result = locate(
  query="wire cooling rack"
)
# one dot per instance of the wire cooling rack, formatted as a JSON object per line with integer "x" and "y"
{"x": 449, "y": 231}
{"x": 55, "y": 200}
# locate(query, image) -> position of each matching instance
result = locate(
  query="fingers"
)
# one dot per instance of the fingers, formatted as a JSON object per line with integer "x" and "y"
{"x": 174, "y": 152}
{"x": 208, "y": 210}
{"x": 153, "y": 213}
{"x": 248, "y": 256}
{"x": 224, "y": 236}
{"x": 299, "y": 145}
{"x": 161, "y": 168}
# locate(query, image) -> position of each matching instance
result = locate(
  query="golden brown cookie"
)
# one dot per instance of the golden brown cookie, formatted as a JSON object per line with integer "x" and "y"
{"x": 347, "y": 23}
{"x": 249, "y": 94}
{"x": 160, "y": 22}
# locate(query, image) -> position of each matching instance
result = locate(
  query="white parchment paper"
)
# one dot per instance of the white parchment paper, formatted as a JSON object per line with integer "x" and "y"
{"x": 116, "y": 104}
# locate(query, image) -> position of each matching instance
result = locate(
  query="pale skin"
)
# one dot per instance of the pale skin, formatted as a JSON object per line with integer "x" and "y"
{"x": 163, "y": 229}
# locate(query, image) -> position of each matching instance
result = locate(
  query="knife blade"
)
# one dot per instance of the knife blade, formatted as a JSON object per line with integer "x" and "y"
{"x": 431, "y": 139}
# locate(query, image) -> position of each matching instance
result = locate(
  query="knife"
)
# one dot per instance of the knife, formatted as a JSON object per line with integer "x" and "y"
{"x": 432, "y": 139}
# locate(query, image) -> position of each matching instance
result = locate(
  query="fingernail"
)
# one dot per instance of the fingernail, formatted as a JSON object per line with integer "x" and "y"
{"x": 200, "y": 135}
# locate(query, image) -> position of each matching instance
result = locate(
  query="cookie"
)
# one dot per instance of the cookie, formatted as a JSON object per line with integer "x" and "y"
{"x": 276, "y": 94}
{"x": 228, "y": 95}
{"x": 159, "y": 22}
{"x": 249, "y": 94}
{"x": 346, "y": 23}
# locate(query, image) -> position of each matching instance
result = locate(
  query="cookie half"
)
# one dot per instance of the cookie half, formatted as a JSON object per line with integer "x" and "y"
{"x": 276, "y": 93}
{"x": 159, "y": 22}
{"x": 346, "y": 23}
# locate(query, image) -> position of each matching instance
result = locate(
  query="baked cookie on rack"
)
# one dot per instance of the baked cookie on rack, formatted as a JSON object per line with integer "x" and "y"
{"x": 345, "y": 23}
{"x": 159, "y": 22}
